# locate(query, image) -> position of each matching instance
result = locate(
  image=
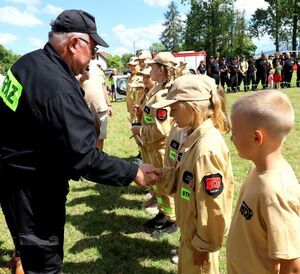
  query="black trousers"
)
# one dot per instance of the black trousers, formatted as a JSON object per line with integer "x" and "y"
{"x": 35, "y": 214}
{"x": 262, "y": 76}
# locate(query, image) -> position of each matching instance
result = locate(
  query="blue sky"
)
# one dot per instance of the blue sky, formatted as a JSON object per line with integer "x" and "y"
{"x": 124, "y": 25}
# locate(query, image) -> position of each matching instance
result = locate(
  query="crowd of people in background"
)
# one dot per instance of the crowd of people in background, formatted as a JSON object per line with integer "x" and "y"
{"x": 241, "y": 72}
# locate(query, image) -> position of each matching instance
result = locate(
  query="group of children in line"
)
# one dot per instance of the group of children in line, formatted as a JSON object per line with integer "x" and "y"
{"x": 178, "y": 125}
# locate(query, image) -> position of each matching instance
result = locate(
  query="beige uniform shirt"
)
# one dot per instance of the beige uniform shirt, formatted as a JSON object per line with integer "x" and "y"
{"x": 93, "y": 88}
{"x": 266, "y": 222}
{"x": 203, "y": 182}
{"x": 156, "y": 123}
{"x": 133, "y": 95}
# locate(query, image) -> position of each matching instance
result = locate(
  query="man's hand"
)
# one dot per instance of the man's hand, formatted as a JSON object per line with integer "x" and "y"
{"x": 145, "y": 177}
{"x": 109, "y": 111}
{"x": 200, "y": 257}
{"x": 84, "y": 76}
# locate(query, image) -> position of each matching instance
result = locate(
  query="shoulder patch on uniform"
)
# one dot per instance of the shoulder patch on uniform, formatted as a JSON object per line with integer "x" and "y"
{"x": 213, "y": 184}
{"x": 147, "y": 109}
{"x": 187, "y": 177}
{"x": 246, "y": 211}
{"x": 161, "y": 114}
{"x": 174, "y": 144}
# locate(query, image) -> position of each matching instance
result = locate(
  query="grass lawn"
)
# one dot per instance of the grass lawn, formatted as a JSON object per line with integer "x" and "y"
{"x": 104, "y": 229}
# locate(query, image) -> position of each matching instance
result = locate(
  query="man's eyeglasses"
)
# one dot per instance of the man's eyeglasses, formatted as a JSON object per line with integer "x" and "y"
{"x": 95, "y": 49}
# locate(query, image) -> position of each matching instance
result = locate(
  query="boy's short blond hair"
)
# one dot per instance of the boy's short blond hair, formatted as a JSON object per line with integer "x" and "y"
{"x": 268, "y": 109}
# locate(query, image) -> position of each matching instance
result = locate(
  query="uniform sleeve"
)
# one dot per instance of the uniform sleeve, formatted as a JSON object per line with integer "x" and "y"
{"x": 167, "y": 185}
{"x": 161, "y": 125}
{"x": 129, "y": 101}
{"x": 283, "y": 227}
{"x": 71, "y": 126}
{"x": 210, "y": 203}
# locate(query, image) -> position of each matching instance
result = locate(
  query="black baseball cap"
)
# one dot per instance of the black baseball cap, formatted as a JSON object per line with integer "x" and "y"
{"x": 77, "y": 21}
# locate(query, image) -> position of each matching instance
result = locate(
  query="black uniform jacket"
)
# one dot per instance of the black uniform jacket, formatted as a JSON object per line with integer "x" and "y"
{"x": 50, "y": 136}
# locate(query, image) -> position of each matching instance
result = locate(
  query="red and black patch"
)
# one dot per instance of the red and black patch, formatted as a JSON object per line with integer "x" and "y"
{"x": 161, "y": 114}
{"x": 213, "y": 184}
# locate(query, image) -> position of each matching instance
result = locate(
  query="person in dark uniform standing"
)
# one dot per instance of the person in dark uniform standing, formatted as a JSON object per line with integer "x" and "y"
{"x": 298, "y": 72}
{"x": 234, "y": 72}
{"x": 224, "y": 73}
{"x": 215, "y": 70}
{"x": 208, "y": 67}
{"x": 201, "y": 68}
{"x": 261, "y": 65}
{"x": 58, "y": 141}
{"x": 287, "y": 70}
{"x": 251, "y": 74}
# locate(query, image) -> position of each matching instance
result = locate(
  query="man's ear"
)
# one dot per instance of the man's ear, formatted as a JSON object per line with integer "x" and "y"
{"x": 72, "y": 44}
{"x": 258, "y": 137}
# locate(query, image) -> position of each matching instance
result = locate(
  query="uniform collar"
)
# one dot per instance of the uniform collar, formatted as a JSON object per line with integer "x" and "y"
{"x": 198, "y": 133}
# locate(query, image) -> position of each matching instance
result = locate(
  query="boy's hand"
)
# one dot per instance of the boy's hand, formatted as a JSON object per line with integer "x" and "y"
{"x": 200, "y": 257}
{"x": 145, "y": 177}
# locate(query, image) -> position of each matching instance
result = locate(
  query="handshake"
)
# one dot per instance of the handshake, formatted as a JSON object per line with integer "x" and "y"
{"x": 147, "y": 175}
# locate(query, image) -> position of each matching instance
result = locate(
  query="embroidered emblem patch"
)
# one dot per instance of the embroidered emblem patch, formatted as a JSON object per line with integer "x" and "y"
{"x": 213, "y": 184}
{"x": 174, "y": 144}
{"x": 246, "y": 211}
{"x": 161, "y": 114}
{"x": 147, "y": 110}
{"x": 187, "y": 177}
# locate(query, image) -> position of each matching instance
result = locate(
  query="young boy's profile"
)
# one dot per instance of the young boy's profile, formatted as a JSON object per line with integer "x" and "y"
{"x": 264, "y": 236}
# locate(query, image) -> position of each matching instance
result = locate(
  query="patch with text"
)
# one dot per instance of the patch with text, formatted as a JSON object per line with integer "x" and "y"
{"x": 246, "y": 211}
{"x": 161, "y": 114}
{"x": 213, "y": 184}
{"x": 187, "y": 177}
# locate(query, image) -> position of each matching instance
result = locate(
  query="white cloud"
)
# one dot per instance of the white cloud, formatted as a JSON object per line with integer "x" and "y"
{"x": 31, "y": 5}
{"x": 25, "y": 2}
{"x": 13, "y": 16}
{"x": 250, "y": 6}
{"x": 159, "y": 3}
{"x": 36, "y": 42}
{"x": 7, "y": 38}
{"x": 129, "y": 39}
{"x": 52, "y": 9}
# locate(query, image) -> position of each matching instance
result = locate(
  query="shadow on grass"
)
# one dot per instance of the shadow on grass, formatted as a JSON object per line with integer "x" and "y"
{"x": 107, "y": 227}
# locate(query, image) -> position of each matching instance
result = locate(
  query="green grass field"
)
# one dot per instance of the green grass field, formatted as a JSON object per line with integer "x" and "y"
{"x": 104, "y": 229}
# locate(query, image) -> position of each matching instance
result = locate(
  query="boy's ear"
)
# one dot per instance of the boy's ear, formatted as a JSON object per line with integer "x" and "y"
{"x": 258, "y": 137}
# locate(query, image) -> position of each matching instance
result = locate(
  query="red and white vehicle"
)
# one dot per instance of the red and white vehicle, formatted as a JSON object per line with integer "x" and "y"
{"x": 192, "y": 58}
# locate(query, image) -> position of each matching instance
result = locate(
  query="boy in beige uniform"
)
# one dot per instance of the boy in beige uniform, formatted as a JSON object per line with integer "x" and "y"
{"x": 264, "y": 235}
{"x": 201, "y": 177}
{"x": 133, "y": 95}
{"x": 156, "y": 125}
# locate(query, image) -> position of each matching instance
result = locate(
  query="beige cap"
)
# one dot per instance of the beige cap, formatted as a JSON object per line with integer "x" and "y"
{"x": 133, "y": 61}
{"x": 164, "y": 58}
{"x": 144, "y": 54}
{"x": 145, "y": 71}
{"x": 189, "y": 88}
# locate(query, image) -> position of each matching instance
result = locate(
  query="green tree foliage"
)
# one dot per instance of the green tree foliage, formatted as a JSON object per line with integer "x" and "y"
{"x": 280, "y": 20}
{"x": 171, "y": 37}
{"x": 114, "y": 61}
{"x": 157, "y": 47}
{"x": 241, "y": 40}
{"x": 7, "y": 58}
{"x": 209, "y": 26}
{"x": 125, "y": 58}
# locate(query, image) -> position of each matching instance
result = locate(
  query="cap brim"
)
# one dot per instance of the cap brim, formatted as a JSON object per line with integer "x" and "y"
{"x": 99, "y": 40}
{"x": 163, "y": 103}
{"x": 150, "y": 61}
